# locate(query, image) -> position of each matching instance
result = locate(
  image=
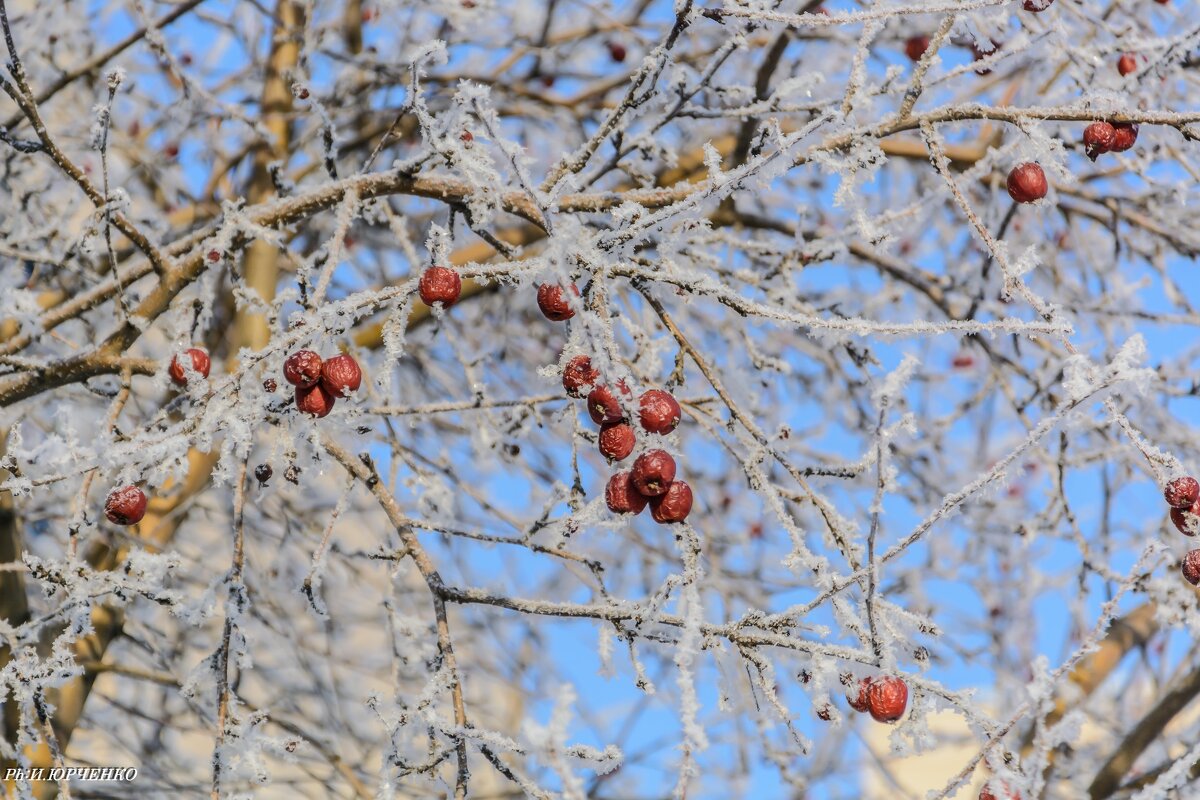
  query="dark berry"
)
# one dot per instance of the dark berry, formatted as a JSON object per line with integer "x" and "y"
{"x": 1027, "y": 183}
{"x": 1037, "y": 6}
{"x": 887, "y": 698}
{"x": 616, "y": 441}
{"x": 1126, "y": 64}
{"x": 916, "y": 46}
{"x": 858, "y": 701}
{"x": 621, "y": 497}
{"x": 341, "y": 375}
{"x": 578, "y": 375}
{"x": 1126, "y": 135}
{"x": 263, "y": 473}
{"x": 552, "y": 300}
{"x": 658, "y": 411}
{"x": 270, "y": 385}
{"x": 125, "y": 506}
{"x": 616, "y": 51}
{"x": 440, "y": 285}
{"x": 1191, "y": 565}
{"x": 200, "y": 363}
{"x": 1187, "y": 520}
{"x": 673, "y": 505}
{"x": 315, "y": 400}
{"x": 302, "y": 368}
{"x": 1182, "y": 492}
{"x": 603, "y": 407}
{"x": 653, "y": 472}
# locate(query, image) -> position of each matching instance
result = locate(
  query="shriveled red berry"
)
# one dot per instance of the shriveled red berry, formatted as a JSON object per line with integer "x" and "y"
{"x": 858, "y": 700}
{"x": 603, "y": 407}
{"x": 1126, "y": 136}
{"x": 825, "y": 713}
{"x": 552, "y": 300}
{"x": 440, "y": 285}
{"x": 653, "y": 472}
{"x": 915, "y": 47}
{"x": 578, "y": 375}
{"x": 658, "y": 411}
{"x": 341, "y": 375}
{"x": 270, "y": 385}
{"x": 1187, "y": 520}
{"x": 200, "y": 363}
{"x": 1182, "y": 492}
{"x": 1037, "y": 6}
{"x": 315, "y": 400}
{"x": 125, "y": 506}
{"x": 673, "y": 505}
{"x": 302, "y": 368}
{"x": 616, "y": 51}
{"x": 1027, "y": 183}
{"x": 1098, "y": 138}
{"x": 1191, "y": 566}
{"x": 621, "y": 497}
{"x": 887, "y": 698}
{"x": 1126, "y": 64}
{"x": 617, "y": 440}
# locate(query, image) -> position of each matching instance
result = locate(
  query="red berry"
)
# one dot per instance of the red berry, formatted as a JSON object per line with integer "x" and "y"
{"x": 1098, "y": 138}
{"x": 616, "y": 51}
{"x": 962, "y": 361}
{"x": 1037, "y": 6}
{"x": 1127, "y": 63}
{"x": 125, "y": 506}
{"x": 603, "y": 407}
{"x": 1009, "y": 794}
{"x": 440, "y": 285}
{"x": 1182, "y": 492}
{"x": 916, "y": 46}
{"x": 315, "y": 400}
{"x": 825, "y": 712}
{"x": 1162, "y": 2}
{"x": 653, "y": 472}
{"x": 672, "y": 505}
{"x": 214, "y": 256}
{"x": 1027, "y": 183}
{"x": 553, "y": 302}
{"x": 1126, "y": 135}
{"x": 658, "y": 411}
{"x": 270, "y": 384}
{"x": 263, "y": 473}
{"x": 200, "y": 363}
{"x": 1187, "y": 520}
{"x": 621, "y": 497}
{"x": 616, "y": 441}
{"x": 859, "y": 702}
{"x": 302, "y": 368}
{"x": 341, "y": 375}
{"x": 466, "y": 137}
{"x": 1191, "y": 565}
{"x": 887, "y": 698}
{"x": 171, "y": 150}
{"x": 579, "y": 374}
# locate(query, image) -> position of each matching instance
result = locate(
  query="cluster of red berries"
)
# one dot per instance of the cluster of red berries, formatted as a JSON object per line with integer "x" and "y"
{"x": 1106, "y": 137}
{"x": 320, "y": 382}
{"x": 885, "y": 698}
{"x": 651, "y": 480}
{"x": 1183, "y": 496}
